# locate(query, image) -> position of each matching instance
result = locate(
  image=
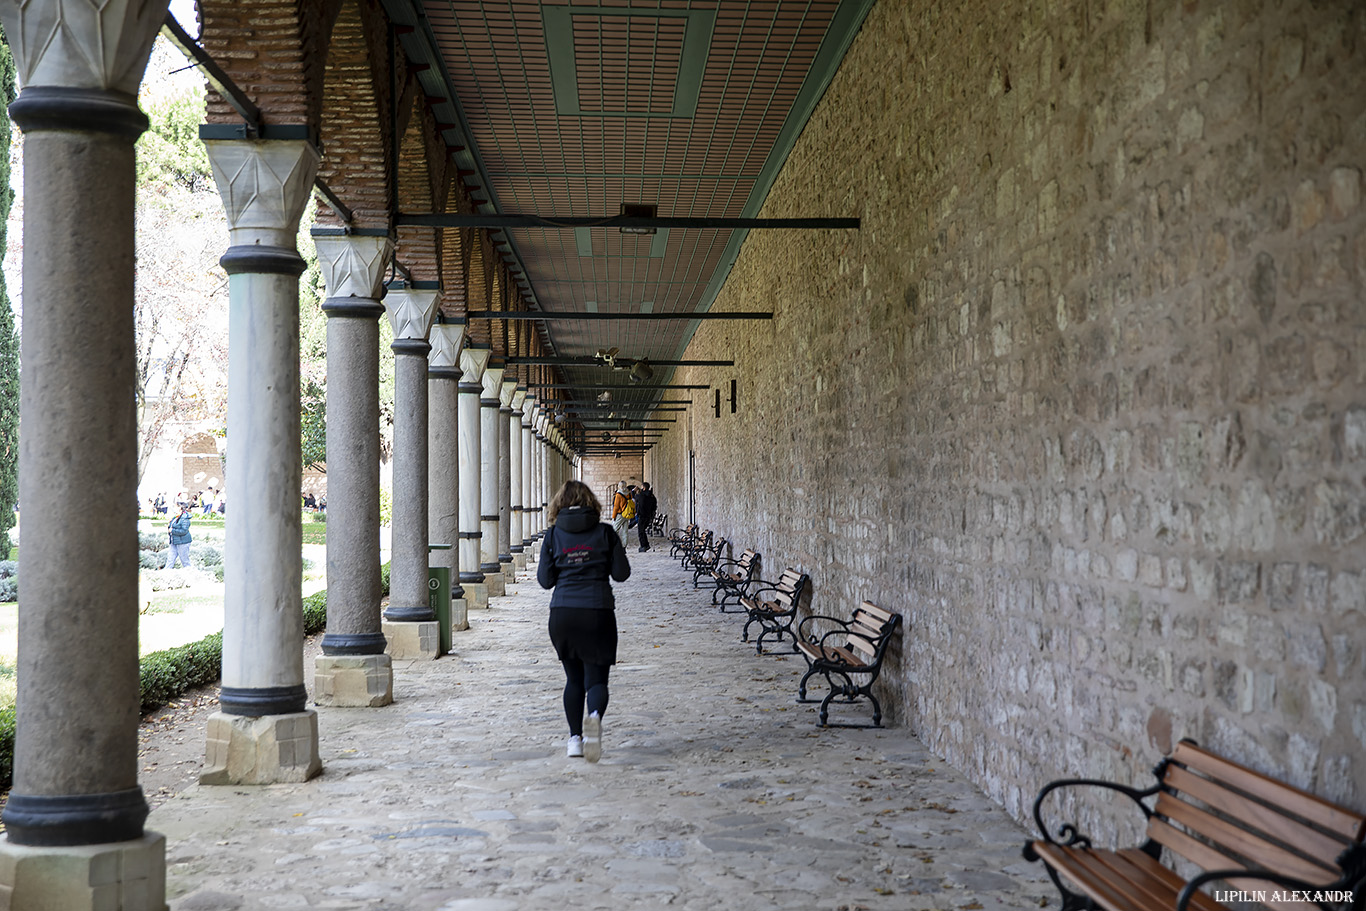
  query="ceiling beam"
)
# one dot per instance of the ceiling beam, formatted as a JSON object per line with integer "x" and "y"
{"x": 568, "y": 222}
{"x": 585, "y": 315}
{"x": 635, "y": 386}
{"x": 588, "y": 361}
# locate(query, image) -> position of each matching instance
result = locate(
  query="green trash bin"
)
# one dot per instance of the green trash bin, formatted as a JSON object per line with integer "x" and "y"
{"x": 439, "y": 597}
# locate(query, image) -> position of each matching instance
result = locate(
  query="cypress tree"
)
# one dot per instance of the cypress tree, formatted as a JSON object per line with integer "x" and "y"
{"x": 9, "y": 339}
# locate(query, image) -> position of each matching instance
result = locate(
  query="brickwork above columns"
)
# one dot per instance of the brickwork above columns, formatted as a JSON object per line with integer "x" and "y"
{"x": 275, "y": 51}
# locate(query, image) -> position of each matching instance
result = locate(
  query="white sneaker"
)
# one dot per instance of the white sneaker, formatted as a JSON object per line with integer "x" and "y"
{"x": 575, "y": 747}
{"x": 592, "y": 737}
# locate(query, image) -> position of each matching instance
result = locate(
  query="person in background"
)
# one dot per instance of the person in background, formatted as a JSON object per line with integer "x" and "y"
{"x": 619, "y": 501}
{"x": 645, "y": 514}
{"x": 179, "y": 528}
{"x": 580, "y": 556}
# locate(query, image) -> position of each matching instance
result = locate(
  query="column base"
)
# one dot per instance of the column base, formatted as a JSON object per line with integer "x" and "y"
{"x": 519, "y": 562}
{"x": 421, "y": 639}
{"x": 365, "y": 681}
{"x": 129, "y": 875}
{"x": 496, "y": 583}
{"x": 476, "y": 595}
{"x": 267, "y": 750}
{"x": 460, "y": 616}
{"x": 509, "y": 571}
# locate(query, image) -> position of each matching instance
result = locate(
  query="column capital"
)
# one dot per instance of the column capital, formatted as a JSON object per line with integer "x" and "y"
{"x": 508, "y": 391}
{"x": 492, "y": 379}
{"x": 473, "y": 360}
{"x": 102, "y": 46}
{"x": 529, "y": 407}
{"x": 353, "y": 266}
{"x": 411, "y": 312}
{"x": 518, "y": 397}
{"x": 446, "y": 339}
{"x": 264, "y": 184}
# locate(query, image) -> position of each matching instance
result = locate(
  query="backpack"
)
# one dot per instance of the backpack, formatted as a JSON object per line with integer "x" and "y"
{"x": 630, "y": 510}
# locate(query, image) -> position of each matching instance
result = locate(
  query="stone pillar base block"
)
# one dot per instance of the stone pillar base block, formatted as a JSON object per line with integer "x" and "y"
{"x": 460, "y": 616}
{"x": 519, "y": 562}
{"x": 267, "y": 750}
{"x": 509, "y": 571}
{"x": 476, "y": 595}
{"x": 129, "y": 875}
{"x": 353, "y": 680}
{"x": 496, "y": 583}
{"x": 413, "y": 640}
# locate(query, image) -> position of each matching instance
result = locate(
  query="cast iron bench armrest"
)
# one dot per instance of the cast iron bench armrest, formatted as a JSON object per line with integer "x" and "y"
{"x": 1069, "y": 831}
{"x": 801, "y": 627}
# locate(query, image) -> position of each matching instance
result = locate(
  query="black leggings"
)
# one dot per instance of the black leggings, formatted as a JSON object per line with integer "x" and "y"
{"x": 584, "y": 682}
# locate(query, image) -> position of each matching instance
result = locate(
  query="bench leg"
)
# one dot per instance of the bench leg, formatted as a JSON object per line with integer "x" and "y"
{"x": 744, "y": 634}
{"x": 801, "y": 687}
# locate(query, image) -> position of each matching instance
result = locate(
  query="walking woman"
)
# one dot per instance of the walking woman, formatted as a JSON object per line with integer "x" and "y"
{"x": 579, "y": 556}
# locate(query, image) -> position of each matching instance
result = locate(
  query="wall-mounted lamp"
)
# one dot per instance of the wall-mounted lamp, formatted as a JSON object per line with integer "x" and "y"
{"x": 732, "y": 396}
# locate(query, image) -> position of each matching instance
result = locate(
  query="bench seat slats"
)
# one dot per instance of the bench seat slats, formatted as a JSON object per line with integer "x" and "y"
{"x": 1242, "y": 842}
{"x": 1084, "y": 867}
{"x": 1351, "y": 826}
{"x": 1268, "y": 819}
{"x": 831, "y": 653}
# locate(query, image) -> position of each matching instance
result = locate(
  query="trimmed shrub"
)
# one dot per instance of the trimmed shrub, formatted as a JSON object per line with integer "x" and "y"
{"x": 9, "y": 569}
{"x": 172, "y": 579}
{"x": 156, "y": 543}
{"x": 9, "y": 589}
{"x": 205, "y": 555}
{"x": 150, "y": 559}
{"x": 6, "y": 746}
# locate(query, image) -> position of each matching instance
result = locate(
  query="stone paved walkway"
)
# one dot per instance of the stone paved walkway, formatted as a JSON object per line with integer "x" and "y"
{"x": 716, "y": 790}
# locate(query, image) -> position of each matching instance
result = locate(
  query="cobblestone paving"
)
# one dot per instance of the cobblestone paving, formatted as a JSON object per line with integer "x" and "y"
{"x": 716, "y": 790}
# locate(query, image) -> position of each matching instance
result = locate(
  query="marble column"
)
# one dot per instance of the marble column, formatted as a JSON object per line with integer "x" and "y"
{"x": 528, "y": 478}
{"x": 488, "y": 478}
{"x": 75, "y": 817}
{"x": 353, "y": 669}
{"x": 410, "y": 626}
{"x": 515, "y": 546}
{"x": 505, "y": 480}
{"x": 473, "y": 361}
{"x": 443, "y": 464}
{"x": 264, "y": 732}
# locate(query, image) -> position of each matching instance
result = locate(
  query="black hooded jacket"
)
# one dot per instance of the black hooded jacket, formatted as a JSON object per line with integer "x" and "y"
{"x": 578, "y": 555}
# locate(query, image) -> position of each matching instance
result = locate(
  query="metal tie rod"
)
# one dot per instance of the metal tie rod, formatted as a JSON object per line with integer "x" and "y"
{"x": 562, "y": 315}
{"x": 491, "y": 222}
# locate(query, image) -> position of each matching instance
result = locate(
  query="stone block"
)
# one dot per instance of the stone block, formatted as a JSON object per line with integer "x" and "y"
{"x": 460, "y": 618}
{"x": 496, "y": 583}
{"x": 476, "y": 595}
{"x": 519, "y": 562}
{"x": 509, "y": 571}
{"x": 412, "y": 639}
{"x": 353, "y": 680}
{"x": 126, "y": 875}
{"x": 266, "y": 750}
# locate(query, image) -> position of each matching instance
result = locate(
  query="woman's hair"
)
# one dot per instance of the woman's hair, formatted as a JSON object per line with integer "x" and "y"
{"x": 573, "y": 493}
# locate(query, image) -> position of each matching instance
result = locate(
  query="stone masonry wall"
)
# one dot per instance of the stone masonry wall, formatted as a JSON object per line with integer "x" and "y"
{"x": 1085, "y": 398}
{"x": 602, "y": 475}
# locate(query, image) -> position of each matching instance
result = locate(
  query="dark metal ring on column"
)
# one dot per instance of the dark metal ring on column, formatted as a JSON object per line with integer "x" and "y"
{"x": 416, "y": 614}
{"x": 471, "y": 535}
{"x": 354, "y": 643}
{"x": 411, "y": 346}
{"x": 75, "y": 819}
{"x": 490, "y": 568}
{"x": 258, "y": 701}
{"x": 471, "y": 577}
{"x": 489, "y": 403}
{"x": 526, "y": 427}
{"x": 506, "y": 411}
{"x": 515, "y": 508}
{"x": 258, "y": 259}
{"x": 51, "y": 107}
{"x": 517, "y": 548}
{"x": 444, "y": 373}
{"x": 353, "y": 307}
{"x": 493, "y": 518}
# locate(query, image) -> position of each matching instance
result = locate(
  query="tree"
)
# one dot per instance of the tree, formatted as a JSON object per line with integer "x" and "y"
{"x": 9, "y": 339}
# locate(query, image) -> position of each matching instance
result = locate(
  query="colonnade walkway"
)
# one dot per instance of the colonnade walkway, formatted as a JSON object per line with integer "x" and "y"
{"x": 715, "y": 790}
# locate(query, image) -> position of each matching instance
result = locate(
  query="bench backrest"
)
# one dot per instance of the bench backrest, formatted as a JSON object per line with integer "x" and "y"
{"x": 790, "y": 586}
{"x": 747, "y": 562}
{"x": 1278, "y": 827}
{"x": 870, "y": 629}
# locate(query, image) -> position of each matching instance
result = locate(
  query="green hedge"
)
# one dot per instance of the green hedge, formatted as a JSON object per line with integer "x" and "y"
{"x": 169, "y": 673}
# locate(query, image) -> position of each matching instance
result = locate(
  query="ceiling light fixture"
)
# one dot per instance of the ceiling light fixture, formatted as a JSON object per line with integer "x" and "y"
{"x": 641, "y": 371}
{"x": 638, "y": 210}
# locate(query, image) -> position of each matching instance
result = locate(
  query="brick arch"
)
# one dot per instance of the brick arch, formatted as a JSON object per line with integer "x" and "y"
{"x": 357, "y": 107}
{"x": 423, "y": 186}
{"x": 273, "y": 51}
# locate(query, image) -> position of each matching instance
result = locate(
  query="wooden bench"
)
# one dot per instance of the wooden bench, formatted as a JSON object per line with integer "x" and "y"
{"x": 773, "y": 605}
{"x": 732, "y": 577}
{"x": 1262, "y": 838}
{"x": 706, "y": 558}
{"x": 684, "y": 541}
{"x": 852, "y": 651}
